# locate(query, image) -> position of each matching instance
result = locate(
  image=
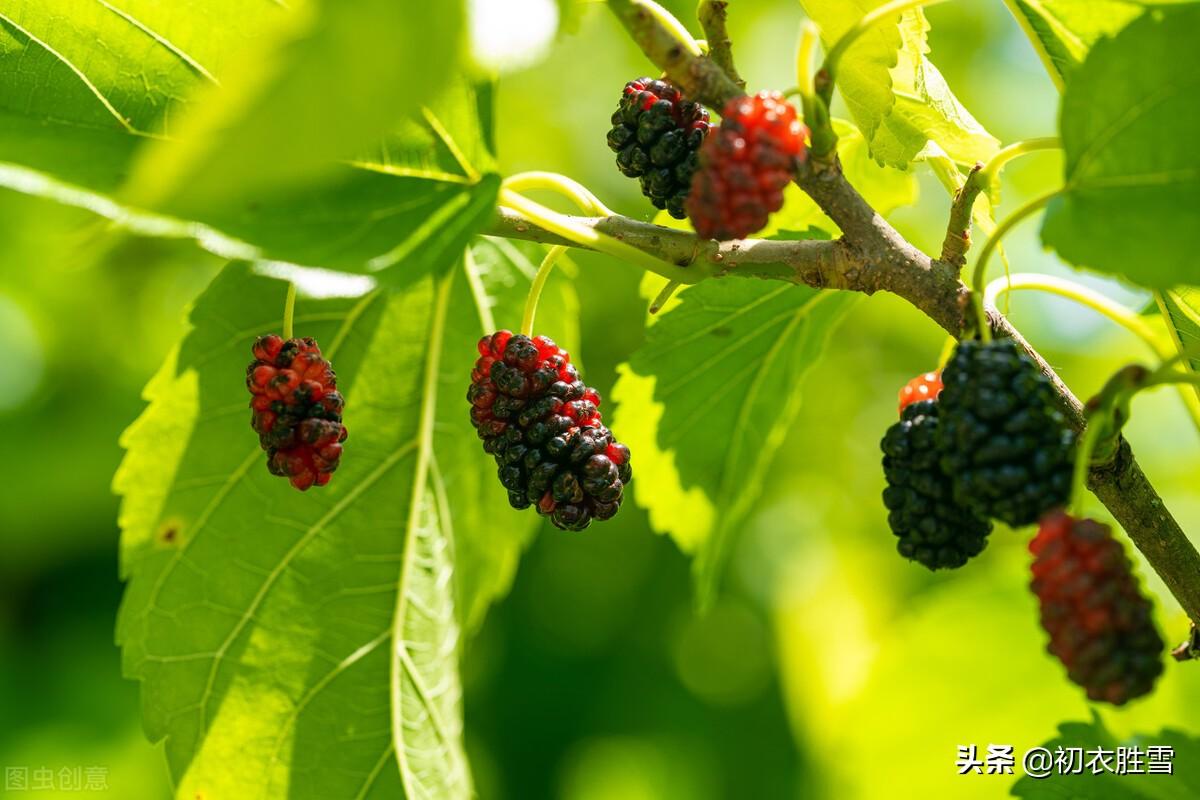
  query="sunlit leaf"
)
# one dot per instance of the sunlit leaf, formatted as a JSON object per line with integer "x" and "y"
{"x": 338, "y": 74}
{"x": 894, "y": 92}
{"x": 77, "y": 119}
{"x": 706, "y": 401}
{"x": 1062, "y": 31}
{"x": 1132, "y": 172}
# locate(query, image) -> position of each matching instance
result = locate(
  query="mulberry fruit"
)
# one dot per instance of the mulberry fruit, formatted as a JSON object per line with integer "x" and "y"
{"x": 932, "y": 528}
{"x": 1099, "y": 622}
{"x": 655, "y": 134}
{"x": 542, "y": 425}
{"x": 297, "y": 410}
{"x": 1002, "y": 439}
{"x": 745, "y": 165}
{"x": 922, "y": 387}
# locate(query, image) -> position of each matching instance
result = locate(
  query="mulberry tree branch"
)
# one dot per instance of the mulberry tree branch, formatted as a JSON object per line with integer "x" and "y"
{"x": 712, "y": 19}
{"x": 872, "y": 256}
{"x": 698, "y": 76}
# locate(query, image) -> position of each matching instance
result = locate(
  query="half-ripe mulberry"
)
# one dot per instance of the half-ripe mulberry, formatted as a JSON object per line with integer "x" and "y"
{"x": 1002, "y": 437}
{"x": 1100, "y": 624}
{"x": 930, "y": 526}
{"x": 297, "y": 410}
{"x": 745, "y": 165}
{"x": 543, "y": 427}
{"x": 923, "y": 387}
{"x": 656, "y": 134}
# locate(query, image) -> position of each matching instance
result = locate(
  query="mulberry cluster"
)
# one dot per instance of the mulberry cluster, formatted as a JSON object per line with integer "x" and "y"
{"x": 656, "y": 134}
{"x": 745, "y": 165}
{"x": 1002, "y": 438}
{"x": 932, "y": 528}
{"x": 542, "y": 425}
{"x": 297, "y": 410}
{"x": 1099, "y": 622}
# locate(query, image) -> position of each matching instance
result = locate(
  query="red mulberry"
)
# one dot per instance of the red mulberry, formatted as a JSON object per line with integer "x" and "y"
{"x": 745, "y": 165}
{"x": 297, "y": 410}
{"x": 1099, "y": 622}
{"x": 542, "y": 425}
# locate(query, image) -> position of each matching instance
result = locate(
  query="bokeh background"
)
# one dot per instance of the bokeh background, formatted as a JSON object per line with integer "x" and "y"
{"x": 829, "y": 668}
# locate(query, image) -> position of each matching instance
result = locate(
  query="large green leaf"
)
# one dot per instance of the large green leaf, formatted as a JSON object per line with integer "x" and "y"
{"x": 1129, "y": 120}
{"x": 87, "y": 90}
{"x": 864, "y": 75}
{"x": 1062, "y": 31}
{"x": 270, "y": 627}
{"x": 255, "y": 617}
{"x": 1107, "y": 784}
{"x": 705, "y": 402}
{"x": 338, "y": 76}
{"x": 894, "y": 92}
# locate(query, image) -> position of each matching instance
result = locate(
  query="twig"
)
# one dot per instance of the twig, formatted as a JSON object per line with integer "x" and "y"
{"x": 712, "y": 15}
{"x": 958, "y": 231}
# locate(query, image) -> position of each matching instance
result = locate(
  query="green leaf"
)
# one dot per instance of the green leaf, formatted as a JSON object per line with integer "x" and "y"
{"x": 336, "y": 76}
{"x": 263, "y": 623}
{"x": 926, "y": 110}
{"x": 705, "y": 402}
{"x": 1180, "y": 310}
{"x": 894, "y": 92}
{"x": 864, "y": 73}
{"x": 1182, "y": 784}
{"x": 1128, "y": 123}
{"x": 1062, "y": 31}
{"x": 76, "y": 119}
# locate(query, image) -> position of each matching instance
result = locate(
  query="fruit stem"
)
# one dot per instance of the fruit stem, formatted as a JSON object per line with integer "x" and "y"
{"x": 662, "y": 297}
{"x": 575, "y": 233}
{"x": 816, "y": 110}
{"x": 994, "y": 164}
{"x": 1109, "y": 410}
{"x": 1002, "y": 230}
{"x": 1083, "y": 464}
{"x": 947, "y": 352}
{"x": 1062, "y": 287}
{"x": 289, "y": 311}
{"x": 573, "y": 190}
{"x": 826, "y": 76}
{"x": 539, "y": 283}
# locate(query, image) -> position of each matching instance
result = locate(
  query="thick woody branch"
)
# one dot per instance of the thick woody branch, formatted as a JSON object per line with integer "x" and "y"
{"x": 700, "y": 77}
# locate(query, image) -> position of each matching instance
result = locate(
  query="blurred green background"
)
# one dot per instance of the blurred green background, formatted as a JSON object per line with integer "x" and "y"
{"x": 829, "y": 668}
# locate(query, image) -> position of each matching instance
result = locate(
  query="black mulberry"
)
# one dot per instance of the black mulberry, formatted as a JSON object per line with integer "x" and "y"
{"x": 543, "y": 427}
{"x": 1003, "y": 441}
{"x": 656, "y": 134}
{"x": 932, "y": 528}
